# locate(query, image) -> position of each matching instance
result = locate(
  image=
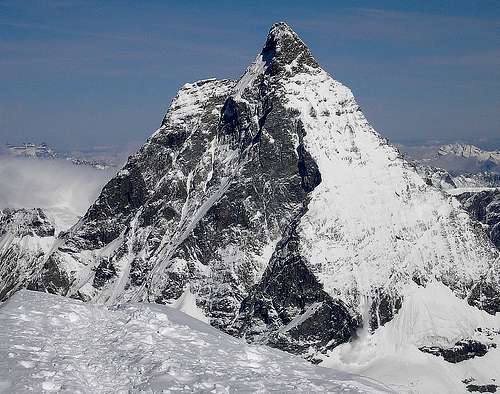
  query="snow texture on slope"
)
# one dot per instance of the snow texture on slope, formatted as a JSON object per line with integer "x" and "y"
{"x": 431, "y": 316}
{"x": 373, "y": 225}
{"x": 53, "y": 344}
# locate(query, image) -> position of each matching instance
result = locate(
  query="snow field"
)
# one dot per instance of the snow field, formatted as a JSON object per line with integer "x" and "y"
{"x": 54, "y": 344}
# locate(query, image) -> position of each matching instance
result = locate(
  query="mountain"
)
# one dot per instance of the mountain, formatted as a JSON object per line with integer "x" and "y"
{"x": 457, "y": 158}
{"x": 26, "y": 235}
{"x": 484, "y": 206}
{"x": 43, "y": 151}
{"x": 442, "y": 179}
{"x": 478, "y": 193}
{"x": 273, "y": 206}
{"x": 470, "y": 151}
{"x": 55, "y": 344}
{"x": 38, "y": 151}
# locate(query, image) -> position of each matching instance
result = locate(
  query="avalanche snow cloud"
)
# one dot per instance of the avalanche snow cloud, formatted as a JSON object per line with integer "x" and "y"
{"x": 270, "y": 208}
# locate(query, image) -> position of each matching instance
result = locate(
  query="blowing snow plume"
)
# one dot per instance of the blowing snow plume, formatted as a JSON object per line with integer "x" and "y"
{"x": 62, "y": 189}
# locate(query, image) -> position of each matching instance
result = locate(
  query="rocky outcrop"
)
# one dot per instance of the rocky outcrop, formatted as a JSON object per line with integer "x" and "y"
{"x": 484, "y": 206}
{"x": 289, "y": 308}
{"x": 461, "y": 351}
{"x": 25, "y": 222}
{"x": 482, "y": 388}
{"x": 26, "y": 235}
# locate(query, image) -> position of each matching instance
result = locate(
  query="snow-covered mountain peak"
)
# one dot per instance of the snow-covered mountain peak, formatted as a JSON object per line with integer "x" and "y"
{"x": 25, "y": 236}
{"x": 282, "y": 55}
{"x": 284, "y": 50}
{"x": 284, "y": 44}
{"x": 273, "y": 210}
{"x": 21, "y": 222}
{"x": 470, "y": 151}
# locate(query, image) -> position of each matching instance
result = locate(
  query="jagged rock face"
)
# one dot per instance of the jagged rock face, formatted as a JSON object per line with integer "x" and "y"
{"x": 289, "y": 309}
{"x": 436, "y": 177}
{"x": 482, "y": 179}
{"x": 26, "y": 235}
{"x": 443, "y": 180}
{"x": 278, "y": 206}
{"x": 204, "y": 202}
{"x": 482, "y": 388}
{"x": 461, "y": 351}
{"x": 484, "y": 206}
{"x": 478, "y": 193}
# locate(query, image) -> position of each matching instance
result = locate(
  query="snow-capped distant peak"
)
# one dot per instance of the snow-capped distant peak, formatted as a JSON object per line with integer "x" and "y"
{"x": 470, "y": 151}
{"x": 43, "y": 151}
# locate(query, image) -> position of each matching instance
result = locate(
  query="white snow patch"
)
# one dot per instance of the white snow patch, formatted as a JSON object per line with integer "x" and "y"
{"x": 373, "y": 223}
{"x": 187, "y": 303}
{"x": 460, "y": 190}
{"x": 252, "y": 72}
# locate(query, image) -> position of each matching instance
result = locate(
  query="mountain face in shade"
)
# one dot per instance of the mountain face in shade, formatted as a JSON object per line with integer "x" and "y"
{"x": 26, "y": 236}
{"x": 484, "y": 206}
{"x": 273, "y": 204}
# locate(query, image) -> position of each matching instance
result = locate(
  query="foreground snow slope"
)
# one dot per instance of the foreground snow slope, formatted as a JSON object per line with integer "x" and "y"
{"x": 54, "y": 344}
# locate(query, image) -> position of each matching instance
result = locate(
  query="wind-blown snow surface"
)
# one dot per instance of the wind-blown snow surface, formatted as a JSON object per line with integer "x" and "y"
{"x": 53, "y": 344}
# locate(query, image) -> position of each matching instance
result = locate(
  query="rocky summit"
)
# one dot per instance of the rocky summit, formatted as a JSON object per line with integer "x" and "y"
{"x": 274, "y": 206}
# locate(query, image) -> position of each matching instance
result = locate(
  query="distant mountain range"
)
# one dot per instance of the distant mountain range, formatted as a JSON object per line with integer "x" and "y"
{"x": 456, "y": 158}
{"x": 470, "y": 151}
{"x": 43, "y": 151}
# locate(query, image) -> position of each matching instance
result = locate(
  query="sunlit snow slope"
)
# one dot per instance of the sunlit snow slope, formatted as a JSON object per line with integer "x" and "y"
{"x": 54, "y": 344}
{"x": 432, "y": 317}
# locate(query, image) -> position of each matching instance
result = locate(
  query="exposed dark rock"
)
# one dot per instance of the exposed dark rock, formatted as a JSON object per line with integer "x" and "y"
{"x": 485, "y": 388}
{"x": 227, "y": 179}
{"x": 484, "y": 206}
{"x": 461, "y": 351}
{"x": 308, "y": 169}
{"x": 383, "y": 309}
{"x": 26, "y": 222}
{"x": 20, "y": 228}
{"x": 55, "y": 281}
{"x": 485, "y": 295}
{"x": 121, "y": 195}
{"x": 289, "y": 309}
{"x": 103, "y": 273}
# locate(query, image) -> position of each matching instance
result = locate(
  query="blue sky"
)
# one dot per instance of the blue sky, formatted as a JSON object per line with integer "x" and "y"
{"x": 79, "y": 74}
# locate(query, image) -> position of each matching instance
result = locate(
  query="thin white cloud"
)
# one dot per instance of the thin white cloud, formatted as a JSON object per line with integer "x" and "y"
{"x": 57, "y": 186}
